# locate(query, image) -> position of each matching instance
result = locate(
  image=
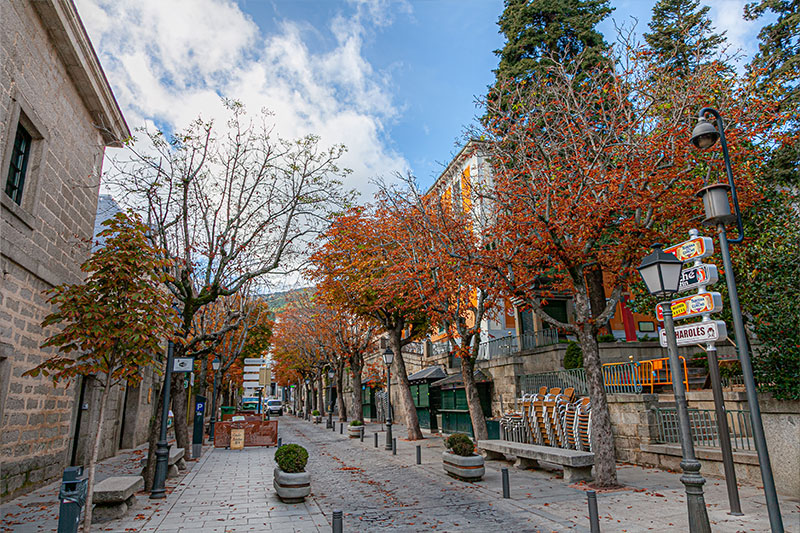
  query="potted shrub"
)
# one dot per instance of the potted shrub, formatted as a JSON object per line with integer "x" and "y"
{"x": 355, "y": 429}
{"x": 292, "y": 483}
{"x": 316, "y": 415}
{"x": 460, "y": 460}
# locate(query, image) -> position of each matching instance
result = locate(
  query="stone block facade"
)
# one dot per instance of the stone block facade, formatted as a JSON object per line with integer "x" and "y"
{"x": 52, "y": 86}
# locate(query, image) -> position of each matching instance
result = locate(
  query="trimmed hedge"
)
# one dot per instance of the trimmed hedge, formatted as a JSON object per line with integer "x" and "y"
{"x": 291, "y": 458}
{"x": 460, "y": 444}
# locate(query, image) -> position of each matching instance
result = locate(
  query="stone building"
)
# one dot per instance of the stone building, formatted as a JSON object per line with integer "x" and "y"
{"x": 57, "y": 115}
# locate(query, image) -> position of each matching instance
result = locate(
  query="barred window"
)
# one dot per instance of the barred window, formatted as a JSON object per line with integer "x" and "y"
{"x": 19, "y": 164}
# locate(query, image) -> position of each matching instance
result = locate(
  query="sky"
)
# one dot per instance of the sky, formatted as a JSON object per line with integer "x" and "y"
{"x": 396, "y": 81}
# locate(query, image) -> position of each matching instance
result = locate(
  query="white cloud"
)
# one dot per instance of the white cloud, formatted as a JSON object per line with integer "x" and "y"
{"x": 728, "y": 16}
{"x": 170, "y": 61}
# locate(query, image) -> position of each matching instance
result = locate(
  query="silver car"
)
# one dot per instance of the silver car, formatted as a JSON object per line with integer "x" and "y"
{"x": 275, "y": 407}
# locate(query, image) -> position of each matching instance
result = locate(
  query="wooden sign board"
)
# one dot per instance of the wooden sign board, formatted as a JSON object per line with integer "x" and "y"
{"x": 256, "y": 432}
{"x": 237, "y": 439}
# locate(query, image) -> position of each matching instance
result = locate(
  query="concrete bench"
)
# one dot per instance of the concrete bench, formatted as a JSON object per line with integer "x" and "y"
{"x": 577, "y": 464}
{"x": 176, "y": 462}
{"x": 114, "y": 496}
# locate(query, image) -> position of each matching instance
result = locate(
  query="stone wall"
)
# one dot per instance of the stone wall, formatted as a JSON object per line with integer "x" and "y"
{"x": 42, "y": 241}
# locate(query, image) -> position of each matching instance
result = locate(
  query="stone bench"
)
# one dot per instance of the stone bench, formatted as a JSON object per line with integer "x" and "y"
{"x": 114, "y": 496}
{"x": 175, "y": 462}
{"x": 577, "y": 464}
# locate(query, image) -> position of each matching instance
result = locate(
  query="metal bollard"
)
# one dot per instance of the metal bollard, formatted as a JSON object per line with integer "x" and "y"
{"x": 333, "y": 427}
{"x": 279, "y": 442}
{"x": 341, "y": 428}
{"x": 376, "y": 440}
{"x": 72, "y": 498}
{"x": 337, "y": 522}
{"x": 506, "y": 488}
{"x": 394, "y": 446}
{"x": 594, "y": 519}
{"x": 361, "y": 436}
{"x": 419, "y": 454}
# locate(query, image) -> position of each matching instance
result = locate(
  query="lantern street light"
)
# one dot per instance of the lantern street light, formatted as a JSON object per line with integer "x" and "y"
{"x": 388, "y": 358}
{"x": 331, "y": 375}
{"x": 718, "y": 213}
{"x": 215, "y": 364}
{"x": 661, "y": 273}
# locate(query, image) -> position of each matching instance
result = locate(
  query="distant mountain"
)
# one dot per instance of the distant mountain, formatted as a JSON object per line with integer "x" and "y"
{"x": 278, "y": 301}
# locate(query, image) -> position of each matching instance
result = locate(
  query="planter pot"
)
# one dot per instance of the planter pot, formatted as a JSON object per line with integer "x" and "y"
{"x": 464, "y": 468}
{"x": 291, "y": 488}
{"x": 354, "y": 432}
{"x": 318, "y": 419}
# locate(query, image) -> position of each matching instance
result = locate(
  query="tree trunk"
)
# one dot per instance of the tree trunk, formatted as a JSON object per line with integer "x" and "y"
{"x": 98, "y": 435}
{"x": 178, "y": 394}
{"x": 597, "y": 293}
{"x": 605, "y": 464}
{"x": 406, "y": 401}
{"x": 358, "y": 395}
{"x": 152, "y": 440}
{"x": 340, "y": 396}
{"x": 473, "y": 400}
{"x": 321, "y": 395}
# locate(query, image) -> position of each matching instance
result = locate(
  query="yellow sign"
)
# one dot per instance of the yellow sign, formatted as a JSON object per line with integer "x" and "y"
{"x": 237, "y": 439}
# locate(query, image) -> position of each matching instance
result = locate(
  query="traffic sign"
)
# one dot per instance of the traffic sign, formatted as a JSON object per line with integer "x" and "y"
{"x": 255, "y": 361}
{"x": 250, "y": 377}
{"x": 696, "y": 304}
{"x": 251, "y": 385}
{"x": 697, "y": 276}
{"x": 697, "y": 333}
{"x": 696, "y": 248}
{"x": 182, "y": 364}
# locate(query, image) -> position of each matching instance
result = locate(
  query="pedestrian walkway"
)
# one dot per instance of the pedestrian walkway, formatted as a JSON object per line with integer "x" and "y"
{"x": 231, "y": 491}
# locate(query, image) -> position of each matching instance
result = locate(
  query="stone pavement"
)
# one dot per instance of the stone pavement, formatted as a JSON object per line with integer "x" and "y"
{"x": 231, "y": 490}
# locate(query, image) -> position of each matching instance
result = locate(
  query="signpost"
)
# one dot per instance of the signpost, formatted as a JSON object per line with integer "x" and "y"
{"x": 182, "y": 364}
{"x": 250, "y": 377}
{"x": 697, "y": 333}
{"x": 255, "y": 361}
{"x": 697, "y": 276}
{"x": 250, "y": 384}
{"x": 694, "y": 249}
{"x": 694, "y": 305}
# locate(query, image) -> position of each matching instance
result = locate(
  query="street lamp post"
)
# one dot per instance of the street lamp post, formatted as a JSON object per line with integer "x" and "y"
{"x": 308, "y": 399}
{"x": 331, "y": 375}
{"x": 661, "y": 273}
{"x": 718, "y": 213}
{"x": 388, "y": 358}
{"x": 214, "y": 366}
{"x": 158, "y": 490}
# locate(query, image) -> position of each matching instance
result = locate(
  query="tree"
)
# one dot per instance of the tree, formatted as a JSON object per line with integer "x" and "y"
{"x": 230, "y": 204}
{"x": 592, "y": 173}
{"x": 353, "y": 270}
{"x": 114, "y": 323}
{"x": 680, "y": 35}
{"x": 538, "y": 30}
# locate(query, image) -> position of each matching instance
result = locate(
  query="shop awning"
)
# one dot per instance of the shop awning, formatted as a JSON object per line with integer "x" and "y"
{"x": 454, "y": 381}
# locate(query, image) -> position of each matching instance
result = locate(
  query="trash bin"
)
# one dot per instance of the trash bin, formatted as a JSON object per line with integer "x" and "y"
{"x": 227, "y": 409}
{"x": 72, "y": 498}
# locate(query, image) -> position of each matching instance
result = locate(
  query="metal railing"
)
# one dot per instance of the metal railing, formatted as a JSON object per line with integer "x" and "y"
{"x": 622, "y": 377}
{"x": 575, "y": 378}
{"x": 704, "y": 427}
{"x": 657, "y": 372}
{"x": 510, "y": 345}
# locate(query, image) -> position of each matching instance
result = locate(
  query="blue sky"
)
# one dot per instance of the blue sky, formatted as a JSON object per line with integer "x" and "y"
{"x": 395, "y": 81}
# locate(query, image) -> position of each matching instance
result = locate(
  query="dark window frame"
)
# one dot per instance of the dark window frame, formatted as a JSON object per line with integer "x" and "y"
{"x": 18, "y": 164}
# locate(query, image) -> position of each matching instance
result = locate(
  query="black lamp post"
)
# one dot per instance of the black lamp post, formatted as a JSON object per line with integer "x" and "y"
{"x": 661, "y": 273}
{"x": 718, "y": 213}
{"x": 388, "y": 359}
{"x": 158, "y": 490}
{"x": 214, "y": 366}
{"x": 308, "y": 399}
{"x": 331, "y": 375}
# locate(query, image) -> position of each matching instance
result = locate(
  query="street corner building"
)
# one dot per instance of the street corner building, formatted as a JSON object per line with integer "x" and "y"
{"x": 57, "y": 116}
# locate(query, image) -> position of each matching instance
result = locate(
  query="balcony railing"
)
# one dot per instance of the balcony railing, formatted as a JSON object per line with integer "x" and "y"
{"x": 510, "y": 345}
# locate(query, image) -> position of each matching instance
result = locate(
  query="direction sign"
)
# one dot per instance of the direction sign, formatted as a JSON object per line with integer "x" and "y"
{"x": 697, "y": 276}
{"x": 696, "y": 248}
{"x": 697, "y": 333}
{"x": 251, "y": 385}
{"x": 696, "y": 304}
{"x": 250, "y": 377}
{"x": 255, "y": 361}
{"x": 252, "y": 368}
{"x": 182, "y": 364}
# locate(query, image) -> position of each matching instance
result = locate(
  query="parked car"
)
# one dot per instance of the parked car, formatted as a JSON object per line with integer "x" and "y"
{"x": 275, "y": 407}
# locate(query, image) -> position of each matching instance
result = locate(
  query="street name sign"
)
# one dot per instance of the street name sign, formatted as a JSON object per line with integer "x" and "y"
{"x": 696, "y": 248}
{"x": 252, "y": 369}
{"x": 255, "y": 361}
{"x": 250, "y": 377}
{"x": 694, "y": 305}
{"x": 251, "y": 385}
{"x": 697, "y": 276}
{"x": 182, "y": 364}
{"x": 697, "y": 333}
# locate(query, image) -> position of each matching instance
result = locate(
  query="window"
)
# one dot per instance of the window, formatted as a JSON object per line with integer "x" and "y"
{"x": 19, "y": 164}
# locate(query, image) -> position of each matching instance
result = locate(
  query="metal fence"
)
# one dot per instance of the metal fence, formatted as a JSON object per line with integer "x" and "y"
{"x": 513, "y": 344}
{"x": 575, "y": 378}
{"x": 704, "y": 427}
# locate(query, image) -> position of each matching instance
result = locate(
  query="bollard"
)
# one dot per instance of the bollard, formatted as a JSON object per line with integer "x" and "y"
{"x": 341, "y": 428}
{"x": 506, "y": 488}
{"x": 594, "y": 519}
{"x": 394, "y": 446}
{"x": 279, "y": 442}
{"x": 419, "y": 454}
{"x": 337, "y": 522}
{"x": 361, "y": 437}
{"x": 376, "y": 440}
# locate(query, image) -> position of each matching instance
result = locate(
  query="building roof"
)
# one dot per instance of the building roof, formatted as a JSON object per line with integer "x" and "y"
{"x": 60, "y": 19}
{"x": 454, "y": 381}
{"x": 431, "y": 373}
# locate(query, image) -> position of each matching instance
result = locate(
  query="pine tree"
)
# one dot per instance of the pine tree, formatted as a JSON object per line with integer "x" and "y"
{"x": 538, "y": 29}
{"x": 681, "y": 35}
{"x": 778, "y": 57}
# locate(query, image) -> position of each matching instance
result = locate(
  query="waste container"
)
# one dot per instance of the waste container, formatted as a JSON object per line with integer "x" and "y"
{"x": 227, "y": 409}
{"x": 72, "y": 498}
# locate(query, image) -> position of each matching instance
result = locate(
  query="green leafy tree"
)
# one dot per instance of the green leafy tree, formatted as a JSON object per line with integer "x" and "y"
{"x": 681, "y": 35}
{"x": 113, "y": 323}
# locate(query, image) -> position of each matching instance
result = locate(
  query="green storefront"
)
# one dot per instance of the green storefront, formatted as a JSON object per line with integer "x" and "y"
{"x": 369, "y": 406}
{"x": 425, "y": 398}
{"x": 452, "y": 403}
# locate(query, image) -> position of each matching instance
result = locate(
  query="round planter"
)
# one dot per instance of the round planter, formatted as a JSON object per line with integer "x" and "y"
{"x": 464, "y": 468}
{"x": 354, "y": 432}
{"x": 291, "y": 488}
